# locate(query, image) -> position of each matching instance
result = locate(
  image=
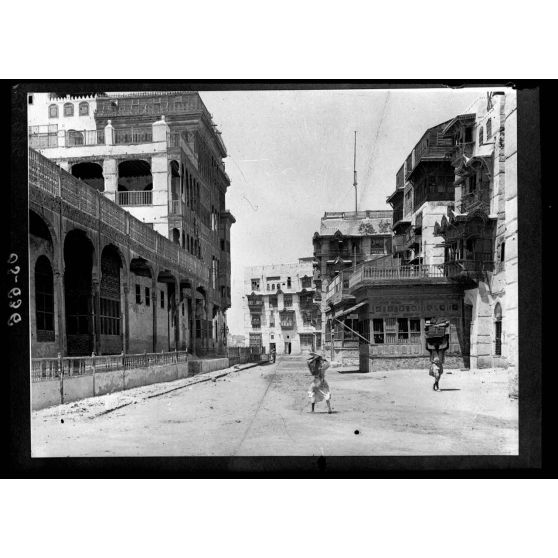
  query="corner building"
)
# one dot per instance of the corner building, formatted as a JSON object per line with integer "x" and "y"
{"x": 129, "y": 231}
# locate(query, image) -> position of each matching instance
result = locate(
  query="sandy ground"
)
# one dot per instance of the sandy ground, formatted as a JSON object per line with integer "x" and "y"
{"x": 264, "y": 410}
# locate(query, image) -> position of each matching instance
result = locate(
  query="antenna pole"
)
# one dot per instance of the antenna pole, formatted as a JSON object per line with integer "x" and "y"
{"x": 355, "y": 177}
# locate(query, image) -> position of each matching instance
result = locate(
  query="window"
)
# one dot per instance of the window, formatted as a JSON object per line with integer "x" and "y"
{"x": 489, "y": 128}
{"x": 288, "y": 282}
{"x": 468, "y": 135}
{"x": 53, "y": 111}
{"x": 255, "y": 339}
{"x": 288, "y": 300}
{"x": 503, "y": 252}
{"x": 272, "y": 319}
{"x": 378, "y": 328}
{"x": 44, "y": 300}
{"x": 138, "y": 294}
{"x": 256, "y": 320}
{"x": 68, "y": 109}
{"x": 110, "y": 316}
{"x": 30, "y": 99}
{"x": 402, "y": 329}
{"x": 147, "y": 296}
{"x": 481, "y": 139}
{"x": 83, "y": 109}
{"x": 163, "y": 301}
{"x": 255, "y": 284}
{"x": 306, "y": 282}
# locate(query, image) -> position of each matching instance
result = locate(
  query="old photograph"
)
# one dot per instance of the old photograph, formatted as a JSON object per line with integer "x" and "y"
{"x": 273, "y": 272}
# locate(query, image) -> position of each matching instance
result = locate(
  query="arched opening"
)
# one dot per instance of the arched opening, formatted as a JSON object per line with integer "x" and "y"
{"x": 176, "y": 236}
{"x": 38, "y": 228}
{"x": 44, "y": 300}
{"x": 498, "y": 330}
{"x": 135, "y": 183}
{"x": 78, "y": 260}
{"x": 175, "y": 180}
{"x": 489, "y": 128}
{"x": 110, "y": 301}
{"x": 74, "y": 138}
{"x": 68, "y": 109}
{"x": 84, "y": 109}
{"x": 53, "y": 111}
{"x": 91, "y": 173}
{"x": 141, "y": 331}
{"x": 201, "y": 318}
{"x": 183, "y": 243}
{"x": 168, "y": 334}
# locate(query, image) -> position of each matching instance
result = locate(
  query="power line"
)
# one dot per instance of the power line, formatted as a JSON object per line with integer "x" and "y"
{"x": 373, "y": 152}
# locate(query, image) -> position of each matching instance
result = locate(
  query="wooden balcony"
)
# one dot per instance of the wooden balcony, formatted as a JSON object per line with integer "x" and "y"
{"x": 368, "y": 275}
{"x": 474, "y": 201}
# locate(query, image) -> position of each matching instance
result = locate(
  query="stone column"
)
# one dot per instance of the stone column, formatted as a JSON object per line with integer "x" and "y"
{"x": 60, "y": 312}
{"x": 110, "y": 173}
{"x": 96, "y": 300}
{"x": 154, "y": 293}
{"x": 126, "y": 324}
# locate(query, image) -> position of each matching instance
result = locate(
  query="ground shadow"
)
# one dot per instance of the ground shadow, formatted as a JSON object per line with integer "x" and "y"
{"x": 450, "y": 389}
{"x": 357, "y": 371}
{"x": 323, "y": 413}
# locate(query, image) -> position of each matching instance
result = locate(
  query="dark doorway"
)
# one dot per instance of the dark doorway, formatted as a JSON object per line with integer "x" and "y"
{"x": 287, "y": 347}
{"x": 78, "y": 260}
{"x": 110, "y": 305}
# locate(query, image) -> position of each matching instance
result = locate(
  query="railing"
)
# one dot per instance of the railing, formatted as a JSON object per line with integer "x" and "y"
{"x": 46, "y": 176}
{"x": 43, "y": 369}
{"x": 479, "y": 263}
{"x": 370, "y": 214}
{"x": 402, "y": 273}
{"x": 135, "y": 197}
{"x": 84, "y": 137}
{"x": 133, "y": 135}
{"x": 43, "y": 141}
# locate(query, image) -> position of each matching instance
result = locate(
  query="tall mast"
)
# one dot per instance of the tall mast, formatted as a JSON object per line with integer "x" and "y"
{"x": 355, "y": 177}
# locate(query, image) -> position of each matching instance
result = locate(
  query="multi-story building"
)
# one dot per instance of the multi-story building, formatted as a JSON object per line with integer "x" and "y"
{"x": 157, "y": 157}
{"x": 279, "y": 307}
{"x": 455, "y": 218}
{"x": 479, "y": 233}
{"x": 346, "y": 239}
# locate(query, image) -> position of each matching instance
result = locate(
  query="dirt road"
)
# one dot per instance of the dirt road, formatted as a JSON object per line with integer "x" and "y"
{"x": 265, "y": 411}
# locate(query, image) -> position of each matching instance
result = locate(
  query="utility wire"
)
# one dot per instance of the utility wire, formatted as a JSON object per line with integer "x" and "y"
{"x": 373, "y": 152}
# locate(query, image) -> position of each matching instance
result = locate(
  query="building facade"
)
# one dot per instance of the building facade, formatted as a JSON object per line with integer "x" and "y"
{"x": 455, "y": 217}
{"x": 479, "y": 232}
{"x": 158, "y": 190}
{"x": 345, "y": 240}
{"x": 279, "y": 307}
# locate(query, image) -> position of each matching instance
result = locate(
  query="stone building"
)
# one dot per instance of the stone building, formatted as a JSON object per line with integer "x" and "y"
{"x": 346, "y": 239}
{"x": 479, "y": 232}
{"x": 454, "y": 250}
{"x": 279, "y": 307}
{"x": 134, "y": 224}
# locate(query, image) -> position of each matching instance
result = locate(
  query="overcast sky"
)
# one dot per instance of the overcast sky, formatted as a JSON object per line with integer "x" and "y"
{"x": 290, "y": 159}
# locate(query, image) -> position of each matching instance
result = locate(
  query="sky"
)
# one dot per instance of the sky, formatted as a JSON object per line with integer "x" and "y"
{"x": 290, "y": 159}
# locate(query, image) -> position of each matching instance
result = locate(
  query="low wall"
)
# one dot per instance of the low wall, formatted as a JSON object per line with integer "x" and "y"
{"x": 375, "y": 364}
{"x": 46, "y": 393}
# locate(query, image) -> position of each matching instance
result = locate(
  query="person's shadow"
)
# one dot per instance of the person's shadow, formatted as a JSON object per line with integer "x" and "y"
{"x": 450, "y": 389}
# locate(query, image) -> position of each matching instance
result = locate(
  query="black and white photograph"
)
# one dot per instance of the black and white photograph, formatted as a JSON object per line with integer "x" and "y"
{"x": 272, "y": 271}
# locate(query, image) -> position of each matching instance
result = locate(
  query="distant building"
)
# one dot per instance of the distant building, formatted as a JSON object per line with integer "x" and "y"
{"x": 133, "y": 170}
{"x": 279, "y": 307}
{"x": 346, "y": 239}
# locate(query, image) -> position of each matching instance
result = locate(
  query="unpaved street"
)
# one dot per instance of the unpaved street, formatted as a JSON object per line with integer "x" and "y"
{"x": 265, "y": 411}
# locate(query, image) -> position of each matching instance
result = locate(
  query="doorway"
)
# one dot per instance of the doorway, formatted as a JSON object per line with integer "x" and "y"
{"x": 287, "y": 347}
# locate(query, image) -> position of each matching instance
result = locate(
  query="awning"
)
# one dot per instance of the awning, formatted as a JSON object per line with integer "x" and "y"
{"x": 349, "y": 310}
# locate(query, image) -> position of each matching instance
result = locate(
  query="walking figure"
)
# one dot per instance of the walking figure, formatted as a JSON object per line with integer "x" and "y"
{"x": 436, "y": 371}
{"x": 319, "y": 390}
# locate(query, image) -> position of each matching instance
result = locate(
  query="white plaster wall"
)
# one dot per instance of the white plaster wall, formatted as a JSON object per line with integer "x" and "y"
{"x": 37, "y": 113}
{"x": 432, "y": 246}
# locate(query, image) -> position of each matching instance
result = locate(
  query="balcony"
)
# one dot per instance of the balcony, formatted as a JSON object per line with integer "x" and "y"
{"x": 338, "y": 290}
{"x": 287, "y": 319}
{"x": 43, "y": 140}
{"x": 175, "y": 207}
{"x": 461, "y": 150}
{"x": 368, "y": 275}
{"x": 470, "y": 268}
{"x": 133, "y": 135}
{"x": 474, "y": 201}
{"x": 135, "y": 197}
